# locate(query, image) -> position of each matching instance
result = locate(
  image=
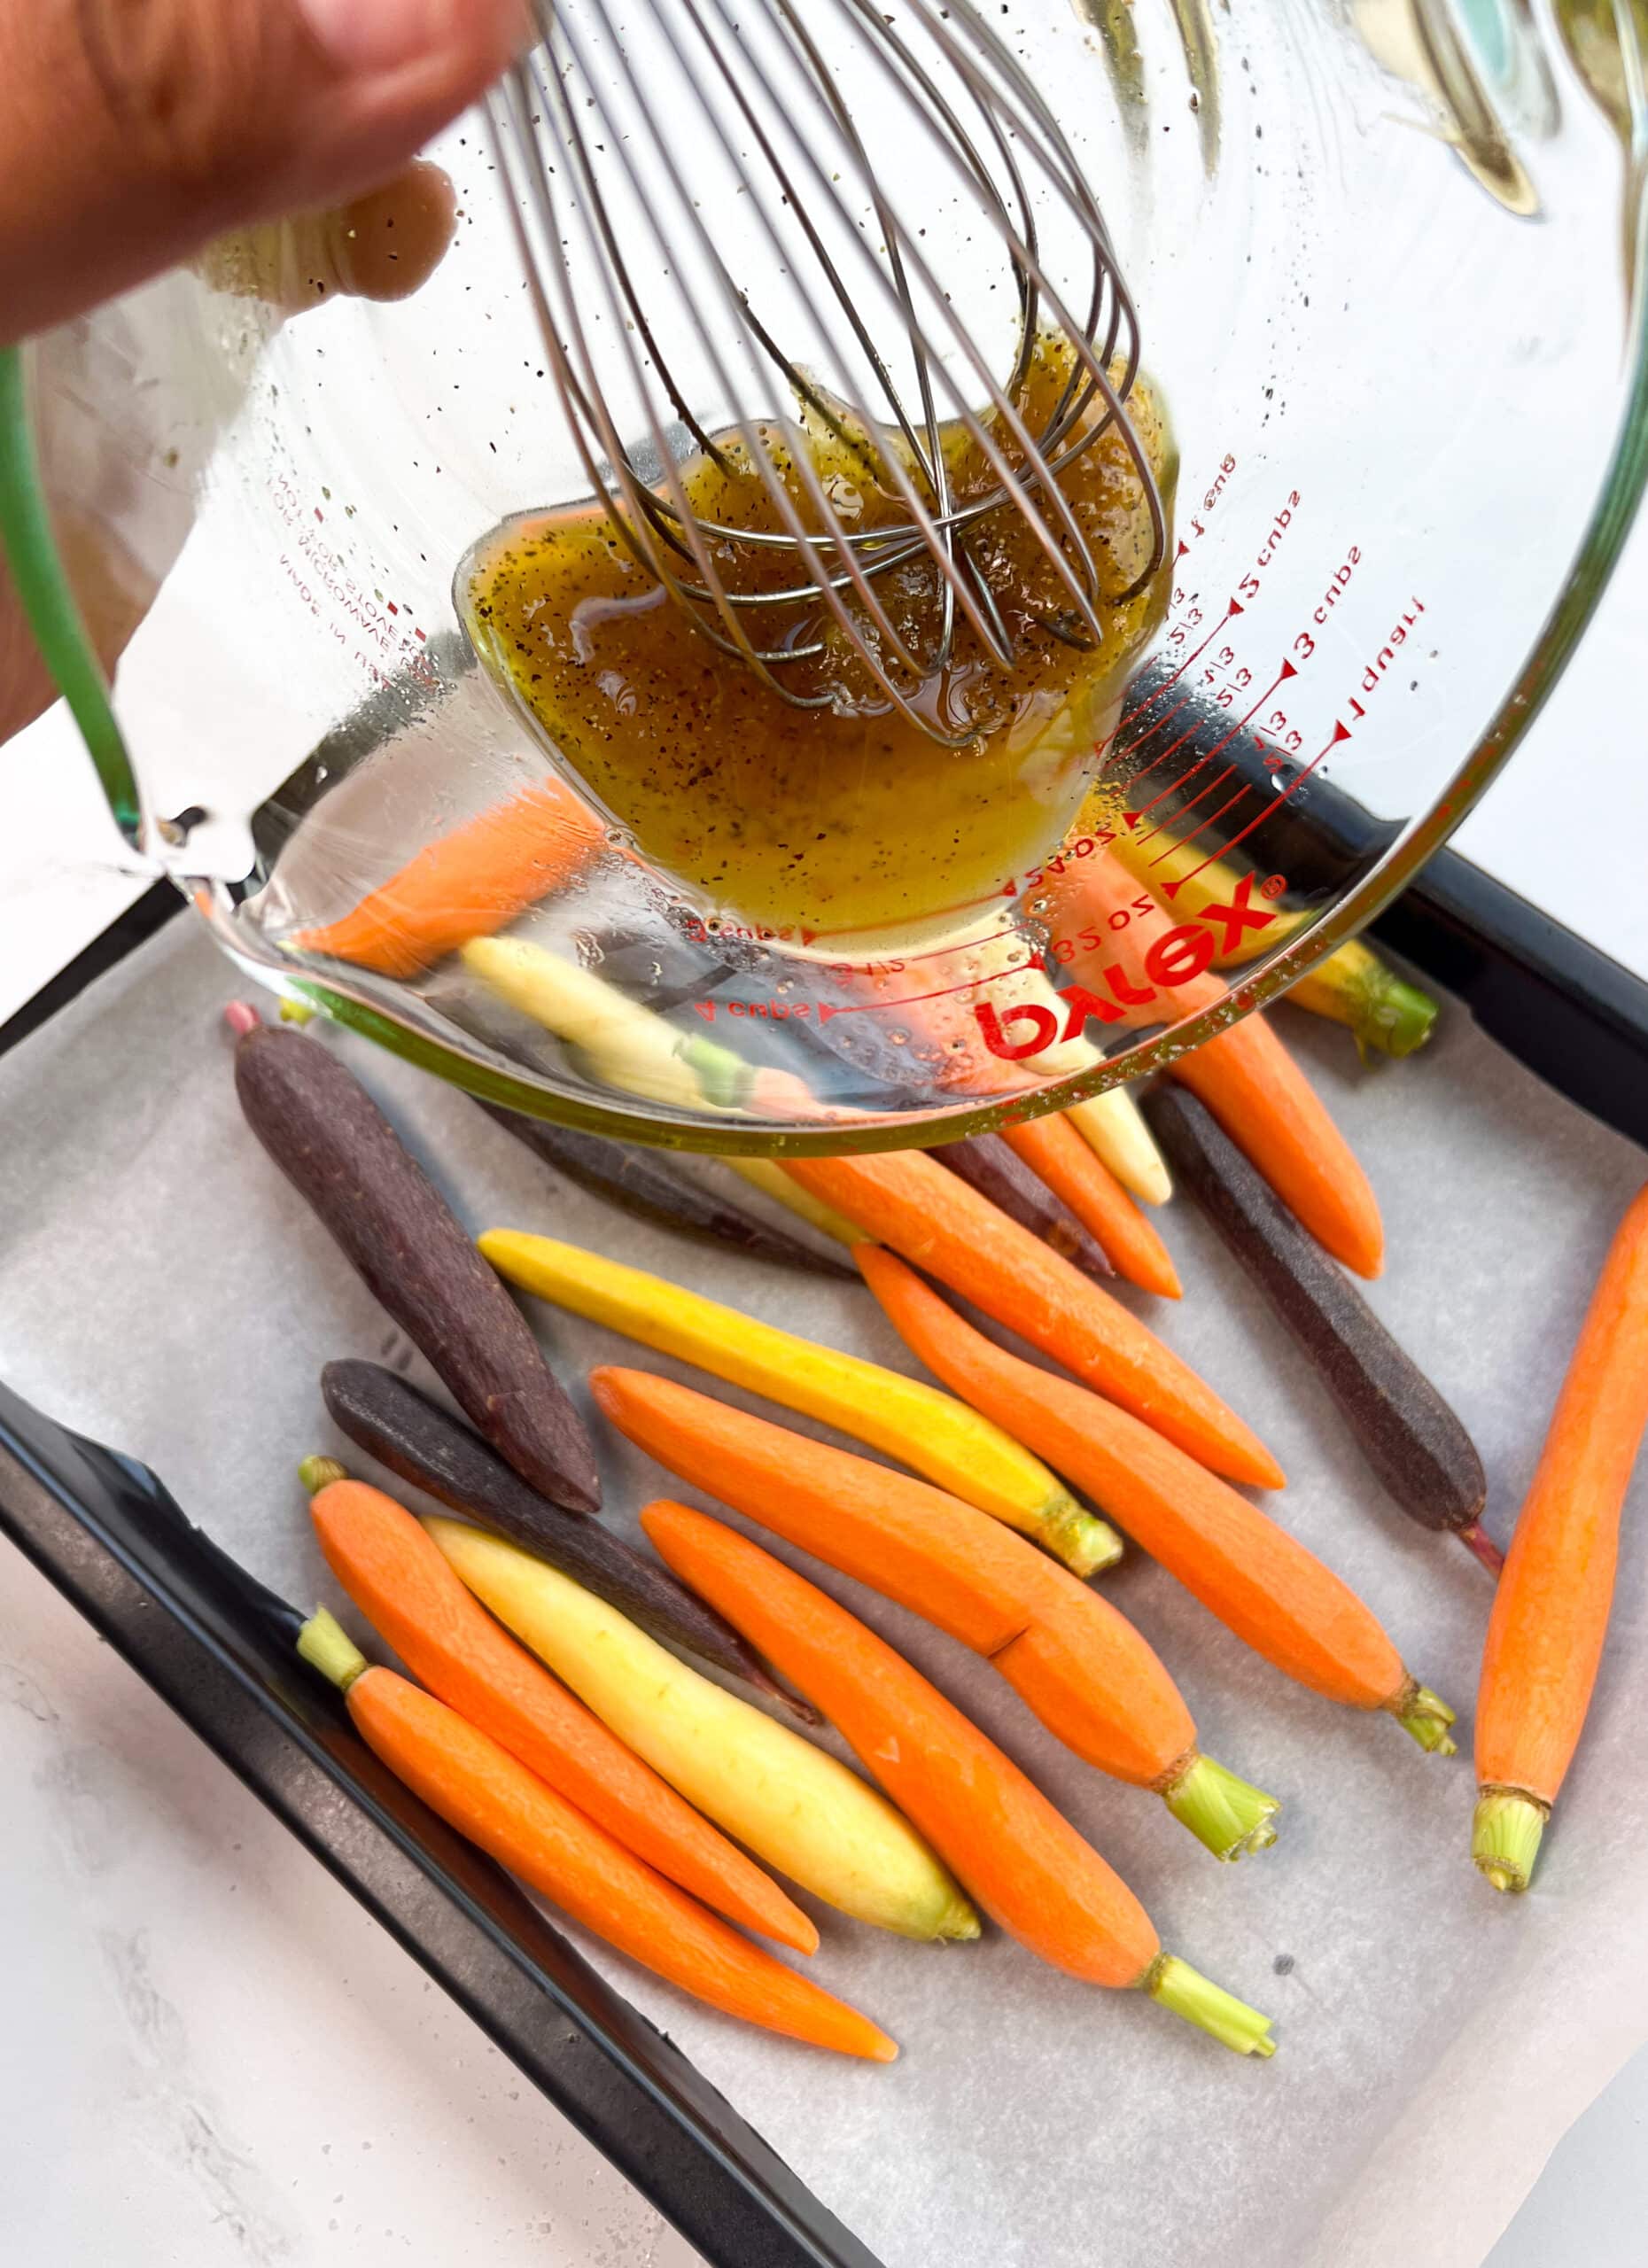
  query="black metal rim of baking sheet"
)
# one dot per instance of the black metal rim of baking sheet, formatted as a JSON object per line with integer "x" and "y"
{"x": 218, "y": 1648}
{"x": 220, "y": 1652}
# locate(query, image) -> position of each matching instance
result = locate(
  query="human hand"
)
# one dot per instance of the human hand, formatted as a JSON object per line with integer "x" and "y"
{"x": 136, "y": 131}
{"x": 265, "y": 140}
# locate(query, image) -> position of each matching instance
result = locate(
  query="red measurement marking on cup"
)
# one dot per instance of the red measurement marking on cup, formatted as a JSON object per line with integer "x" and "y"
{"x": 829, "y": 1008}
{"x": 1373, "y": 676}
{"x": 1340, "y": 732}
{"x": 1156, "y": 691}
{"x": 1247, "y": 591}
{"x": 1215, "y": 489}
{"x": 1287, "y": 670}
{"x": 778, "y": 1010}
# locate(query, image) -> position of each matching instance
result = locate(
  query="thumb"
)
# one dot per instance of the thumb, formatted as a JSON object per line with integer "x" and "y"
{"x": 136, "y": 131}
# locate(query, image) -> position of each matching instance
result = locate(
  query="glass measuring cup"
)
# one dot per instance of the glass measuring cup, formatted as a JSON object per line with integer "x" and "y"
{"x": 1387, "y": 275}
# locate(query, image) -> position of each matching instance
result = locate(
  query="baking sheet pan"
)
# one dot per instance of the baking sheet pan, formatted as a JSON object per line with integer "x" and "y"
{"x": 162, "y": 1287}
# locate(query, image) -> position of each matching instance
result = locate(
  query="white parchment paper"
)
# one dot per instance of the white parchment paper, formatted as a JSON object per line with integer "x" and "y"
{"x": 163, "y": 1289}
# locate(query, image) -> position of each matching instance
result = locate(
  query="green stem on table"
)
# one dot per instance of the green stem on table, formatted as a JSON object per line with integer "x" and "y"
{"x": 1424, "y": 1715}
{"x": 1221, "y": 1811}
{"x": 318, "y": 1472}
{"x": 327, "y": 1646}
{"x": 1355, "y": 987}
{"x": 1189, "y": 1994}
{"x": 1505, "y": 1836}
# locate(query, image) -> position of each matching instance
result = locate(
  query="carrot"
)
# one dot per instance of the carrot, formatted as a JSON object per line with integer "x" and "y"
{"x": 480, "y": 1790}
{"x": 1550, "y": 1611}
{"x": 767, "y": 1176}
{"x": 1270, "y": 1111}
{"x": 791, "y": 1804}
{"x": 956, "y": 1059}
{"x": 902, "y": 1198}
{"x": 1260, "y": 1582}
{"x": 1080, "y": 1664}
{"x": 1113, "y": 1128}
{"x": 1021, "y": 1860}
{"x": 945, "y": 1441}
{"x": 1245, "y": 1076}
{"x": 401, "y": 1582}
{"x": 469, "y": 883}
{"x": 1075, "y": 1172}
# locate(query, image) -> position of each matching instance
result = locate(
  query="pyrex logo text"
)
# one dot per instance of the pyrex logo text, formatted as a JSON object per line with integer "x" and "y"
{"x": 1172, "y": 959}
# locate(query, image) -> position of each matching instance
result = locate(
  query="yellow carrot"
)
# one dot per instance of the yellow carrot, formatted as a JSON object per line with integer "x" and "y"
{"x": 939, "y": 1435}
{"x": 480, "y": 1790}
{"x": 767, "y": 1176}
{"x": 791, "y": 1804}
{"x": 1113, "y": 1129}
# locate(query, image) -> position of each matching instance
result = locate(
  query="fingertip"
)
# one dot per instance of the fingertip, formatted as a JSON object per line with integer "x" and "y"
{"x": 366, "y": 38}
{"x": 386, "y": 244}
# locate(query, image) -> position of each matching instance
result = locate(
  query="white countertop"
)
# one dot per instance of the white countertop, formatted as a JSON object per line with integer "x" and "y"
{"x": 211, "y": 2054}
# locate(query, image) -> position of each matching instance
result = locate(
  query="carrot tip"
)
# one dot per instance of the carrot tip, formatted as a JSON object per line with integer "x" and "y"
{"x": 1224, "y": 1812}
{"x": 1505, "y": 1836}
{"x": 1188, "y": 1993}
{"x": 327, "y": 1646}
{"x": 1425, "y": 1716}
{"x": 798, "y": 1706}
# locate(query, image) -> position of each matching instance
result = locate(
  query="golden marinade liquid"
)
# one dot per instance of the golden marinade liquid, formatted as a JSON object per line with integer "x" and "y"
{"x": 845, "y": 820}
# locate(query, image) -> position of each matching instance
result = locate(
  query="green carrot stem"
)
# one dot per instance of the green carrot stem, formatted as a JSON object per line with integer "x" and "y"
{"x": 723, "y": 1077}
{"x": 1221, "y": 1811}
{"x": 1505, "y": 1836}
{"x": 1085, "y": 1544}
{"x": 1424, "y": 1715}
{"x": 1396, "y": 1017}
{"x": 1355, "y": 987}
{"x": 318, "y": 1472}
{"x": 327, "y": 1646}
{"x": 1189, "y": 1994}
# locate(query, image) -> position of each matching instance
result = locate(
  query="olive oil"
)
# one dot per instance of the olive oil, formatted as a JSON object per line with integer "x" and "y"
{"x": 846, "y": 819}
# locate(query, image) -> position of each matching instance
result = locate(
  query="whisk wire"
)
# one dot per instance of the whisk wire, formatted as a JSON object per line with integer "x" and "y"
{"x": 770, "y": 76}
{"x": 821, "y": 582}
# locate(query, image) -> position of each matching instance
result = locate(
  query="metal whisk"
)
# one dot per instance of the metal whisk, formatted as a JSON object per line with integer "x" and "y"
{"x": 749, "y": 225}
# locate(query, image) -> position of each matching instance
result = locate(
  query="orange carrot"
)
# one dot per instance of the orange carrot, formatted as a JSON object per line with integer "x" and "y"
{"x": 1022, "y": 1860}
{"x": 1259, "y": 1581}
{"x": 1270, "y": 1111}
{"x": 1105, "y": 922}
{"x": 1078, "y": 1664}
{"x": 469, "y": 883}
{"x": 1075, "y": 1172}
{"x": 1550, "y": 1611}
{"x": 481, "y": 1790}
{"x": 904, "y": 1199}
{"x": 401, "y": 1582}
